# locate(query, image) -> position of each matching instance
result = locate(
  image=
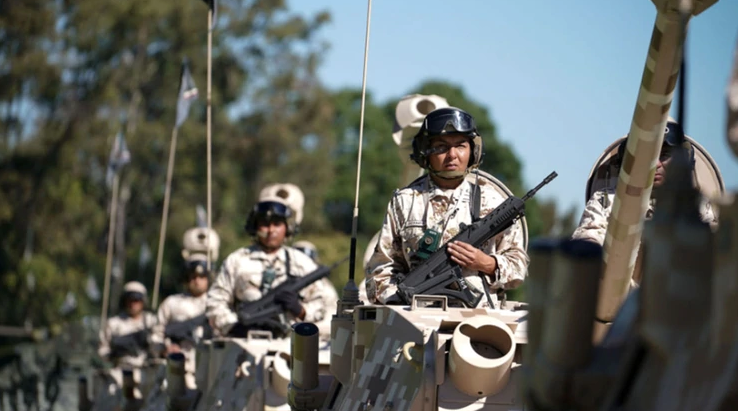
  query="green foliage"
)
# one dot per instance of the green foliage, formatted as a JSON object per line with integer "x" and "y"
{"x": 74, "y": 74}
{"x": 381, "y": 165}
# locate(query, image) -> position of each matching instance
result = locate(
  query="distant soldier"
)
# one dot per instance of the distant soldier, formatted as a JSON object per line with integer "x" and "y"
{"x": 594, "y": 221}
{"x": 250, "y": 272}
{"x": 182, "y": 323}
{"x": 426, "y": 214}
{"x": 126, "y": 339}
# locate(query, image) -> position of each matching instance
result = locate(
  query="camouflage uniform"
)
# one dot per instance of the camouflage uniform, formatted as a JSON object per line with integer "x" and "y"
{"x": 408, "y": 218}
{"x": 179, "y": 308}
{"x": 120, "y": 325}
{"x": 593, "y": 223}
{"x": 240, "y": 278}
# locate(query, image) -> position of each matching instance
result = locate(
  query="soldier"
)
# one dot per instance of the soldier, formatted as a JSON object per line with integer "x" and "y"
{"x": 594, "y": 221}
{"x": 434, "y": 206}
{"x": 182, "y": 316}
{"x": 250, "y": 272}
{"x": 125, "y": 340}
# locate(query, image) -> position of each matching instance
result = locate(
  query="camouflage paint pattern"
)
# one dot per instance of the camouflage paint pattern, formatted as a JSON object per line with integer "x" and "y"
{"x": 400, "y": 358}
{"x": 645, "y": 138}
{"x": 674, "y": 343}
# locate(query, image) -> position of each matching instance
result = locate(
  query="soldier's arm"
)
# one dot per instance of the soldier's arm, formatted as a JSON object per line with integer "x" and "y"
{"x": 512, "y": 260}
{"x": 220, "y": 299}
{"x": 387, "y": 260}
{"x": 593, "y": 224}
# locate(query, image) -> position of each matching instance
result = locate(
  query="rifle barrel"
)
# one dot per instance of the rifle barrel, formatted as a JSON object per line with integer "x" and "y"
{"x": 535, "y": 189}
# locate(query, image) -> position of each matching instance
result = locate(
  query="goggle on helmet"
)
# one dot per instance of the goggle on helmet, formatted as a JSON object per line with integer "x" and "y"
{"x": 445, "y": 121}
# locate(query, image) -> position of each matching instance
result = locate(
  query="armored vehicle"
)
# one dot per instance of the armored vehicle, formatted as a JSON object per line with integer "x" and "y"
{"x": 671, "y": 346}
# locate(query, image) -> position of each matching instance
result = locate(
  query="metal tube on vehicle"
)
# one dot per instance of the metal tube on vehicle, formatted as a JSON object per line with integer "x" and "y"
{"x": 539, "y": 272}
{"x": 566, "y": 340}
{"x": 83, "y": 398}
{"x": 304, "y": 345}
{"x": 176, "y": 386}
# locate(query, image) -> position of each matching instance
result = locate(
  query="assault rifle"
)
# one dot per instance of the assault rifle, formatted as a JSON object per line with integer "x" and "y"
{"x": 129, "y": 344}
{"x": 185, "y": 330}
{"x": 436, "y": 273}
{"x": 262, "y": 313}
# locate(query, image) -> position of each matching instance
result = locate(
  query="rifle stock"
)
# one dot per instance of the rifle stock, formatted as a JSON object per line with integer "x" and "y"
{"x": 435, "y": 274}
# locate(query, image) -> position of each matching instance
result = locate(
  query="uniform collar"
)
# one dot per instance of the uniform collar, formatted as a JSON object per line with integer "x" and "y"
{"x": 447, "y": 194}
{"x": 257, "y": 253}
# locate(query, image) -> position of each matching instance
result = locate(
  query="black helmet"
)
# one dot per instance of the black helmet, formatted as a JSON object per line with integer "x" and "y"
{"x": 195, "y": 267}
{"x": 673, "y": 137}
{"x": 270, "y": 211}
{"x": 444, "y": 121}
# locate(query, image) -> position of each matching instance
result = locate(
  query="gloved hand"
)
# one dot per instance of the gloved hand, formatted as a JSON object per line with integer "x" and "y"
{"x": 289, "y": 301}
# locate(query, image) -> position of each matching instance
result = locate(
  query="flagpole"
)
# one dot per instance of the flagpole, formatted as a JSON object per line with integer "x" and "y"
{"x": 209, "y": 127}
{"x": 164, "y": 217}
{"x": 109, "y": 261}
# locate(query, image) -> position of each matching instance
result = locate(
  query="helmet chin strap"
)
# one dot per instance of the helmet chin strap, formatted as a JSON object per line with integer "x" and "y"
{"x": 449, "y": 175}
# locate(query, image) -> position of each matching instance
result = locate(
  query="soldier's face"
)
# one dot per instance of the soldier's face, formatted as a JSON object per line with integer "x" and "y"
{"x": 198, "y": 285}
{"x": 271, "y": 234}
{"x": 134, "y": 307}
{"x": 450, "y": 153}
{"x": 664, "y": 160}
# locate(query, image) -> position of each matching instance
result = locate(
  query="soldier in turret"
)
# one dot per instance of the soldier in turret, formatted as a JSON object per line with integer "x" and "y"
{"x": 127, "y": 336}
{"x": 594, "y": 221}
{"x": 182, "y": 322}
{"x": 426, "y": 214}
{"x": 250, "y": 272}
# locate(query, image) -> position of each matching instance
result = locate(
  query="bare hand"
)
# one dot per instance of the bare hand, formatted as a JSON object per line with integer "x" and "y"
{"x": 468, "y": 256}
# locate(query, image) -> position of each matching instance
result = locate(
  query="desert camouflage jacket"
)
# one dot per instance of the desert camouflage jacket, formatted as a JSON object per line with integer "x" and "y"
{"x": 593, "y": 224}
{"x": 240, "y": 280}
{"x": 422, "y": 205}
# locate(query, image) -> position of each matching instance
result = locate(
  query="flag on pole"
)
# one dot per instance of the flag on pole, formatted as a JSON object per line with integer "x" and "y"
{"x": 144, "y": 256}
{"x": 119, "y": 156}
{"x": 202, "y": 216}
{"x": 187, "y": 94}
{"x": 213, "y": 5}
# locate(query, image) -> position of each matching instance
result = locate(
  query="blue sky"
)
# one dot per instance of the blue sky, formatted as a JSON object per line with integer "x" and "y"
{"x": 560, "y": 78}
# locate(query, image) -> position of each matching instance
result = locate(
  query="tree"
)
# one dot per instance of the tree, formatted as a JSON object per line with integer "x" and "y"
{"x": 381, "y": 166}
{"x": 87, "y": 70}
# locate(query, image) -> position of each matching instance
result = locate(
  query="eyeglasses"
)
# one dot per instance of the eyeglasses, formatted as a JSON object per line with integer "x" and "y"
{"x": 457, "y": 121}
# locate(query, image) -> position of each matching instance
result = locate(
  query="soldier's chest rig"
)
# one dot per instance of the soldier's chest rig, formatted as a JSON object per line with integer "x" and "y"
{"x": 269, "y": 274}
{"x": 431, "y": 239}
